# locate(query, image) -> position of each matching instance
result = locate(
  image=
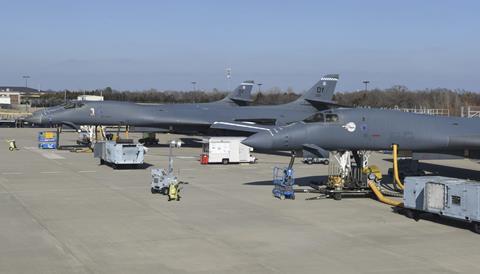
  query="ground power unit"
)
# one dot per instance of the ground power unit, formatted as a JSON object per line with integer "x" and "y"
{"x": 450, "y": 197}
{"x": 119, "y": 154}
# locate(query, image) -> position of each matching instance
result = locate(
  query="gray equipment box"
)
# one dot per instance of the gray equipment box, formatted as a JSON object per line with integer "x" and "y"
{"x": 451, "y": 197}
{"x": 161, "y": 180}
{"x": 119, "y": 153}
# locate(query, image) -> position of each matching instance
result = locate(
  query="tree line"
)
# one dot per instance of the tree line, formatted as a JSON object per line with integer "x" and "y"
{"x": 396, "y": 96}
{"x": 402, "y": 97}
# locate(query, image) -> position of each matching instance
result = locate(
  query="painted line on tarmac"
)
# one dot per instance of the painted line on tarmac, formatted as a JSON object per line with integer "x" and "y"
{"x": 47, "y": 154}
{"x": 87, "y": 171}
{"x": 12, "y": 173}
{"x": 177, "y": 157}
{"x": 50, "y": 172}
{"x": 52, "y": 155}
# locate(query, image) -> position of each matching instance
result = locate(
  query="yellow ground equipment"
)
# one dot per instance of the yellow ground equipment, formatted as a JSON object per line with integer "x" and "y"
{"x": 335, "y": 182}
{"x": 81, "y": 150}
{"x": 381, "y": 197}
{"x": 375, "y": 185}
{"x": 164, "y": 181}
{"x": 374, "y": 173}
{"x": 349, "y": 174}
{"x": 396, "y": 178}
{"x": 174, "y": 192}
{"x": 12, "y": 145}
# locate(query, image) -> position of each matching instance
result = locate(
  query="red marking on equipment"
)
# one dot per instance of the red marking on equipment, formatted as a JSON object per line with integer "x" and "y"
{"x": 375, "y": 135}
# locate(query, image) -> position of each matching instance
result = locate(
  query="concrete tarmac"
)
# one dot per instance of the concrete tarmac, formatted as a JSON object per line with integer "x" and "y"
{"x": 62, "y": 212}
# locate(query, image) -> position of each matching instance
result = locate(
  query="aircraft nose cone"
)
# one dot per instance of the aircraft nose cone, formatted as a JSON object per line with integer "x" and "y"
{"x": 260, "y": 141}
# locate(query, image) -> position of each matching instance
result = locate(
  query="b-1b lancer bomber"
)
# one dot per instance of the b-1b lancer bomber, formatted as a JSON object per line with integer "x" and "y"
{"x": 356, "y": 129}
{"x": 205, "y": 118}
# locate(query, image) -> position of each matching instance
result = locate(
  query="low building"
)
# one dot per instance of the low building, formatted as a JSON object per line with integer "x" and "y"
{"x": 90, "y": 98}
{"x": 10, "y": 98}
{"x": 5, "y": 100}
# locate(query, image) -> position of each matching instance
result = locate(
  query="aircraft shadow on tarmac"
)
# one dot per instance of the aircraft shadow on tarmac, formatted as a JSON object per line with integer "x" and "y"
{"x": 127, "y": 166}
{"x": 186, "y": 142}
{"x": 448, "y": 171}
{"x": 277, "y": 153}
{"x": 304, "y": 181}
{"x": 320, "y": 180}
{"x": 425, "y": 216}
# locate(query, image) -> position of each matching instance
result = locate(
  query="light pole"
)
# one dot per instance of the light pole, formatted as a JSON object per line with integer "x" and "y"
{"x": 259, "y": 86}
{"x": 26, "y": 77}
{"x": 366, "y": 82}
{"x": 228, "y": 71}
{"x": 173, "y": 144}
{"x": 194, "y": 86}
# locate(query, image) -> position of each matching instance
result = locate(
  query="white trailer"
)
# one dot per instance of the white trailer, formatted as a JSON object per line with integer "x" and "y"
{"x": 227, "y": 150}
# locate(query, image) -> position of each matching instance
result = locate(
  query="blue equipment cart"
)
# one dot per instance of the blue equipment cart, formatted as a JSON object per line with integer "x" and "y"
{"x": 283, "y": 181}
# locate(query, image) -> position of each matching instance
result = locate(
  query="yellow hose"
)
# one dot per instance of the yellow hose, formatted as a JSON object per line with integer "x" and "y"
{"x": 382, "y": 198}
{"x": 396, "y": 178}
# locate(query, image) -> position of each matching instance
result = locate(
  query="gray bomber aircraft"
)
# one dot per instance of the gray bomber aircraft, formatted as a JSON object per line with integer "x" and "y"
{"x": 240, "y": 96}
{"x": 357, "y": 129}
{"x": 206, "y": 118}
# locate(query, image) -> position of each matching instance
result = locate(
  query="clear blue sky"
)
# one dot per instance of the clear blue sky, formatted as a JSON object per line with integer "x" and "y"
{"x": 168, "y": 44}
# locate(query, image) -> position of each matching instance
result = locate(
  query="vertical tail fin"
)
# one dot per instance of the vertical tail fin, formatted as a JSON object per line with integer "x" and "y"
{"x": 241, "y": 95}
{"x": 321, "y": 92}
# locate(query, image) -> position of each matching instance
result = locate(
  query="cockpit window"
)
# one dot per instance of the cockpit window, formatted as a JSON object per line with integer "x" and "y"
{"x": 69, "y": 105}
{"x": 321, "y": 117}
{"x": 315, "y": 118}
{"x": 331, "y": 118}
{"x": 73, "y": 105}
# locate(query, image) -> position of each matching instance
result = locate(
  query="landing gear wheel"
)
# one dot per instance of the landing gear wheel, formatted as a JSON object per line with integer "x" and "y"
{"x": 337, "y": 196}
{"x": 309, "y": 162}
{"x": 10, "y": 148}
{"x": 476, "y": 227}
{"x": 326, "y": 162}
{"x": 153, "y": 190}
{"x": 225, "y": 161}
